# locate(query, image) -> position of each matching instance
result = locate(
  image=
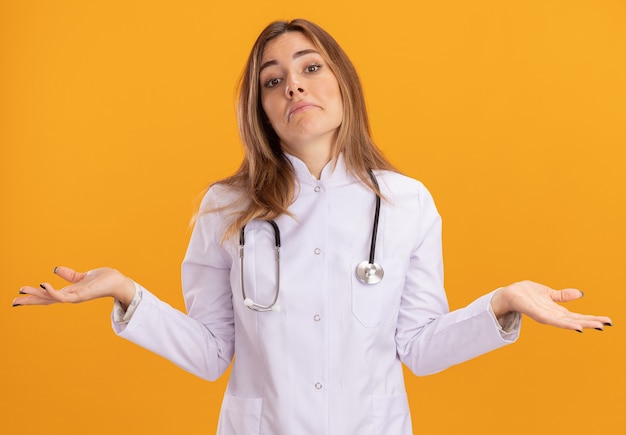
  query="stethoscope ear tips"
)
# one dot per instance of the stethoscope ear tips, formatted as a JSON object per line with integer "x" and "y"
{"x": 276, "y": 308}
{"x": 248, "y": 302}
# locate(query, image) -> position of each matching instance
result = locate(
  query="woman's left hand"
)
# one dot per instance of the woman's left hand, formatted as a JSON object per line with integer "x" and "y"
{"x": 539, "y": 302}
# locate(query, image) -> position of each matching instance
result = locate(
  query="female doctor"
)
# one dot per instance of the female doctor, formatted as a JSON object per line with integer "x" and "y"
{"x": 316, "y": 265}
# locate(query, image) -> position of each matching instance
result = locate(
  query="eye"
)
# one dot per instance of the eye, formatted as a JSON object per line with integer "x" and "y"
{"x": 313, "y": 68}
{"x": 272, "y": 82}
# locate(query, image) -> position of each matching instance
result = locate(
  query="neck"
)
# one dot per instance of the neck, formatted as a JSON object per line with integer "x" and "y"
{"x": 314, "y": 157}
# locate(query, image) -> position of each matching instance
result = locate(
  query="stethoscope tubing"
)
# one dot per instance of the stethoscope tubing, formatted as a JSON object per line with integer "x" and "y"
{"x": 367, "y": 271}
{"x": 246, "y": 300}
{"x": 376, "y": 217}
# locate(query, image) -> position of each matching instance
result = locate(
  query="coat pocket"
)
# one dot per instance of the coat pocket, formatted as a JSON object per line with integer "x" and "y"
{"x": 240, "y": 416}
{"x": 378, "y": 304}
{"x": 391, "y": 414}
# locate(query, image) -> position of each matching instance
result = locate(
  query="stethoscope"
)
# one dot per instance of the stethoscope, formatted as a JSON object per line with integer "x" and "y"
{"x": 368, "y": 271}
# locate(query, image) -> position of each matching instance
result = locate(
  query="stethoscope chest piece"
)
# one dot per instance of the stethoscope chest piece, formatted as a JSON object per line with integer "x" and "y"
{"x": 370, "y": 273}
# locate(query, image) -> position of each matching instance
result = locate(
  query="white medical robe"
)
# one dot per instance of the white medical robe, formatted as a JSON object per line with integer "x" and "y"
{"x": 330, "y": 362}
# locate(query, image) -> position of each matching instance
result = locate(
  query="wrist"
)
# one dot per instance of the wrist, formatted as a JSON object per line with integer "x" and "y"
{"x": 126, "y": 292}
{"x": 499, "y": 302}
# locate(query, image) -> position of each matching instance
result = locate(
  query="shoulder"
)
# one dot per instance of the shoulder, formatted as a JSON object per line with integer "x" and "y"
{"x": 399, "y": 187}
{"x": 219, "y": 207}
{"x": 221, "y": 196}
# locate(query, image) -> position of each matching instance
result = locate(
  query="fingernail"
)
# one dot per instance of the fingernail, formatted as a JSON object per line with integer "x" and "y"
{"x": 42, "y": 286}
{"x": 55, "y": 269}
{"x": 599, "y": 329}
{"x": 16, "y": 305}
{"x": 581, "y": 293}
{"x": 579, "y": 330}
{"x": 22, "y": 292}
{"x": 608, "y": 324}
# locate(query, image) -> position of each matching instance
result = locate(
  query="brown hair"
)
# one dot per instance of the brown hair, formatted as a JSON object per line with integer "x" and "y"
{"x": 266, "y": 179}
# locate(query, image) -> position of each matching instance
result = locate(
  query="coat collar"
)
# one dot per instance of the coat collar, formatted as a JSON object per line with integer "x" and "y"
{"x": 334, "y": 173}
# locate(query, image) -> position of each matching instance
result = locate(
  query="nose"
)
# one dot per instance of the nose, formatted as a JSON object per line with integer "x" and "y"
{"x": 293, "y": 87}
{"x": 290, "y": 91}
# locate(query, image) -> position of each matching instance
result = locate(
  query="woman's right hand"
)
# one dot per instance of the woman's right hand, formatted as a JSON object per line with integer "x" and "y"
{"x": 96, "y": 283}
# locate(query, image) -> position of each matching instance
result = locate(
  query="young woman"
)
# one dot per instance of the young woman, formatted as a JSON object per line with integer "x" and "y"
{"x": 316, "y": 265}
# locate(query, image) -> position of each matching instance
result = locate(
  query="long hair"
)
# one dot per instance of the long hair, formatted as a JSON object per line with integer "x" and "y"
{"x": 266, "y": 181}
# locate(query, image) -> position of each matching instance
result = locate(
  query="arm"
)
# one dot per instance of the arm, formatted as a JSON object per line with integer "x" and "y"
{"x": 201, "y": 342}
{"x": 430, "y": 339}
{"x": 197, "y": 345}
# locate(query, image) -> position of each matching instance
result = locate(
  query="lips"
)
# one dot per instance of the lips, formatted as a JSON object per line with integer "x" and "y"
{"x": 299, "y": 107}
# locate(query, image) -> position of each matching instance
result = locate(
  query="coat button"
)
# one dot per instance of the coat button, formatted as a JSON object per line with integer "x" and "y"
{"x": 317, "y": 251}
{"x": 317, "y": 317}
{"x": 318, "y": 386}
{"x": 317, "y": 189}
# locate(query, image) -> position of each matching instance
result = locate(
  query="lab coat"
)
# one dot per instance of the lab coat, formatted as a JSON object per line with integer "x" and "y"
{"x": 330, "y": 362}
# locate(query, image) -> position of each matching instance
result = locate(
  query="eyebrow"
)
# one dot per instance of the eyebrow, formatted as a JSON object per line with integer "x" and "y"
{"x": 296, "y": 55}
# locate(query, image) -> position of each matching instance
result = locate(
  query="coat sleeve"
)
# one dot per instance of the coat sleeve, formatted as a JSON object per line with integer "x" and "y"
{"x": 201, "y": 341}
{"x": 429, "y": 338}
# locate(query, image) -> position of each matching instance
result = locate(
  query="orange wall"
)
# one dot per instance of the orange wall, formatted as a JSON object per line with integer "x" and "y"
{"x": 114, "y": 115}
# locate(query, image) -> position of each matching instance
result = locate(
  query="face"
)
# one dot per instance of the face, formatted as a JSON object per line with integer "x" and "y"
{"x": 300, "y": 94}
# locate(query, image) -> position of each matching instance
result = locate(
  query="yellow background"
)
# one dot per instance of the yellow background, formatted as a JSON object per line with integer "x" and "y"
{"x": 114, "y": 115}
